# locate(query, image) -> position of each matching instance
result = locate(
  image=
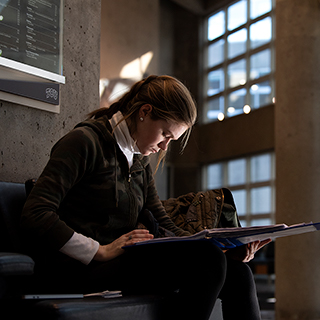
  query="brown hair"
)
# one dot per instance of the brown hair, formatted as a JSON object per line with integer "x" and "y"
{"x": 169, "y": 98}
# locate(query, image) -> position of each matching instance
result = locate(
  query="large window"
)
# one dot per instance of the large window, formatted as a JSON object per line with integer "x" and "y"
{"x": 251, "y": 181}
{"x": 240, "y": 59}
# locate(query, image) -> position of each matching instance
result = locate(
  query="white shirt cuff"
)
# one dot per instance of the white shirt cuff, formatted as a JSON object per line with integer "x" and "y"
{"x": 80, "y": 248}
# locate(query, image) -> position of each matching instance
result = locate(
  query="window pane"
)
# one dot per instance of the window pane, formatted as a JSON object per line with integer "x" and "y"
{"x": 261, "y": 222}
{"x": 261, "y": 200}
{"x": 259, "y": 7}
{"x": 236, "y": 102}
{"x": 243, "y": 223}
{"x": 215, "y": 106}
{"x": 216, "y": 53}
{"x": 260, "y": 32}
{"x": 260, "y": 64}
{"x": 261, "y": 168}
{"x": 215, "y": 82}
{"x": 237, "y": 74}
{"x": 260, "y": 94}
{"x": 240, "y": 199}
{"x": 215, "y": 176}
{"x": 237, "y": 43}
{"x": 236, "y": 172}
{"x": 237, "y": 14}
{"x": 216, "y": 25}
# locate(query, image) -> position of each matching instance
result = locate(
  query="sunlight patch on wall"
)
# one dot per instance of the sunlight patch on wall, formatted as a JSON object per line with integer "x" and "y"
{"x": 112, "y": 89}
{"x": 137, "y": 68}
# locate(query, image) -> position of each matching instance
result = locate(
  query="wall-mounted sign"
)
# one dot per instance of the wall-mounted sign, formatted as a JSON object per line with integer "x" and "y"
{"x": 30, "y": 33}
{"x": 43, "y": 91}
{"x": 30, "y": 46}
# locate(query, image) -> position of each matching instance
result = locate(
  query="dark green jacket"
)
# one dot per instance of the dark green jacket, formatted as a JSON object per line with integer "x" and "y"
{"x": 87, "y": 187}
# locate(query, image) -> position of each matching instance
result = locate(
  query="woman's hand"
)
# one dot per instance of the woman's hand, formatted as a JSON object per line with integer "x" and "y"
{"x": 114, "y": 249}
{"x": 246, "y": 252}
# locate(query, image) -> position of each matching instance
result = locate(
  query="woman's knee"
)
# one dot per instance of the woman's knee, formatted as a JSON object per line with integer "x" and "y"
{"x": 211, "y": 259}
{"x": 240, "y": 274}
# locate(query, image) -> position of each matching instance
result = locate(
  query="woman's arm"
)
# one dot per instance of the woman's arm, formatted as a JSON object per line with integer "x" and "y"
{"x": 81, "y": 248}
{"x": 70, "y": 159}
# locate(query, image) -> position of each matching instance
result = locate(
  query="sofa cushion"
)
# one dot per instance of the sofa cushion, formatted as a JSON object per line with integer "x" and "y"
{"x": 123, "y": 308}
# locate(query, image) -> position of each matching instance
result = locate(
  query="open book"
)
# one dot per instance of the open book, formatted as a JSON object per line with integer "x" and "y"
{"x": 233, "y": 237}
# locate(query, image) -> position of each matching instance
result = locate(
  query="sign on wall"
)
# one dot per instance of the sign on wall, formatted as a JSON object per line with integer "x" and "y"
{"x": 30, "y": 47}
{"x": 30, "y": 32}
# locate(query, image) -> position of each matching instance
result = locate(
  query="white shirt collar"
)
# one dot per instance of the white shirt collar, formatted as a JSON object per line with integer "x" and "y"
{"x": 122, "y": 134}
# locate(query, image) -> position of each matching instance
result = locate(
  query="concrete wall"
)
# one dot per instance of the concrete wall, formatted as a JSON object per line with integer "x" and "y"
{"x": 297, "y": 147}
{"x": 27, "y": 134}
{"x": 129, "y": 30}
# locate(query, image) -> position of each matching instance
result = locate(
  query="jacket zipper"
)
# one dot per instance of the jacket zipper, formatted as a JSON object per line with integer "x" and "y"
{"x": 132, "y": 202}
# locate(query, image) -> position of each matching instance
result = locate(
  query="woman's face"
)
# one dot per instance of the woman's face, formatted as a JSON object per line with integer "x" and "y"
{"x": 153, "y": 135}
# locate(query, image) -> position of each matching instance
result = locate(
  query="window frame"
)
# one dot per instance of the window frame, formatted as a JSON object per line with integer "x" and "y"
{"x": 246, "y": 56}
{"x": 248, "y": 186}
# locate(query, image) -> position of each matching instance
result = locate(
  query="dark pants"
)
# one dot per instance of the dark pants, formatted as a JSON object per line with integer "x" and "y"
{"x": 196, "y": 273}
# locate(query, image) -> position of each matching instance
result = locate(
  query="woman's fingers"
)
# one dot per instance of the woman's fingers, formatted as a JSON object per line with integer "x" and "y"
{"x": 263, "y": 243}
{"x": 115, "y": 248}
{"x": 253, "y": 247}
{"x": 137, "y": 235}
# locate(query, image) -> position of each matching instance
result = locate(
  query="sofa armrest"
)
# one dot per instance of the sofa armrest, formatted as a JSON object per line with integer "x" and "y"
{"x": 15, "y": 264}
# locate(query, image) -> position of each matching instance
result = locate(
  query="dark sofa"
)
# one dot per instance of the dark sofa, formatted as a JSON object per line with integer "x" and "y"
{"x": 15, "y": 268}
{"x": 16, "y": 271}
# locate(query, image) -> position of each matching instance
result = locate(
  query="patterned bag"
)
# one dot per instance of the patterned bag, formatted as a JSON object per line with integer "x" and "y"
{"x": 195, "y": 212}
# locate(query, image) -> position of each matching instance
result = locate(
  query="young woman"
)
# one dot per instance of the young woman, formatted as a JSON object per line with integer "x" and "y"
{"x": 87, "y": 203}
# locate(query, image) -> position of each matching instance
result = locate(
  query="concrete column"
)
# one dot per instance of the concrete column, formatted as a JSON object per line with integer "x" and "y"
{"x": 297, "y": 146}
